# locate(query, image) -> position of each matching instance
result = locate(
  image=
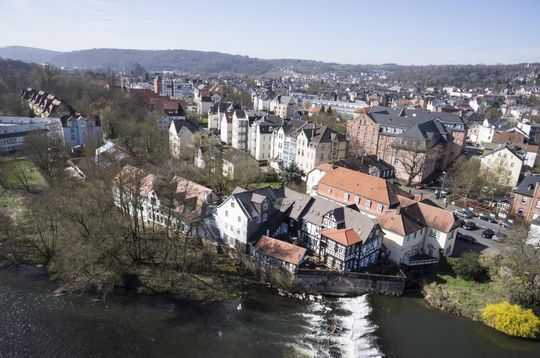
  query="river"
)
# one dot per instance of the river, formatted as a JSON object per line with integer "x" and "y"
{"x": 34, "y": 323}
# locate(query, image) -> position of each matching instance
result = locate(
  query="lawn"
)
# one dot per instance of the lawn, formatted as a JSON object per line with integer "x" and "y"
{"x": 16, "y": 173}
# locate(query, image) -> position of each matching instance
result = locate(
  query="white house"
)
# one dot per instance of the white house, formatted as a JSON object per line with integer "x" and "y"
{"x": 481, "y": 133}
{"x": 242, "y": 214}
{"x": 260, "y": 139}
{"x": 282, "y": 106}
{"x": 181, "y": 134}
{"x": 307, "y": 145}
{"x": 418, "y": 233}
{"x": 240, "y": 130}
{"x": 225, "y": 129}
{"x": 504, "y": 164}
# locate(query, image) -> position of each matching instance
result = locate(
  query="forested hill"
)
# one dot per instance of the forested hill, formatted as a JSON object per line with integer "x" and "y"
{"x": 205, "y": 63}
{"x": 180, "y": 60}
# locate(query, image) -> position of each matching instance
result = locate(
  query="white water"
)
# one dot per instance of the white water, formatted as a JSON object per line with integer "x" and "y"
{"x": 339, "y": 328}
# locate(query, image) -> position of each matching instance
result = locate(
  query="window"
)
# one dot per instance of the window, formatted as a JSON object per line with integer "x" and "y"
{"x": 239, "y": 219}
{"x": 232, "y": 204}
{"x": 226, "y": 213}
{"x": 346, "y": 196}
{"x": 357, "y": 199}
{"x": 380, "y": 207}
{"x": 368, "y": 204}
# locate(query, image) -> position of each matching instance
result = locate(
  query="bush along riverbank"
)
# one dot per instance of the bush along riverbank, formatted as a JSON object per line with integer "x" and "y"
{"x": 501, "y": 290}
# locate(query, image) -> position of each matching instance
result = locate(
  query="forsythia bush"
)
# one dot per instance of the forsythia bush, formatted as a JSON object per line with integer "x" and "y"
{"x": 511, "y": 319}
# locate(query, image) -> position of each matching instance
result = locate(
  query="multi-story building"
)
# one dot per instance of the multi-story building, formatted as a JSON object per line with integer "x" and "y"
{"x": 80, "y": 131}
{"x": 416, "y": 232}
{"x": 370, "y": 194}
{"x": 307, "y": 145}
{"x": 343, "y": 239}
{"x": 503, "y": 164}
{"x": 346, "y": 108}
{"x": 481, "y": 133}
{"x": 417, "y": 143}
{"x": 316, "y": 145}
{"x": 181, "y": 134}
{"x": 13, "y": 131}
{"x": 261, "y": 137}
{"x": 217, "y": 112}
{"x": 526, "y": 198}
{"x": 172, "y": 87}
{"x": 177, "y": 203}
{"x": 240, "y": 130}
{"x": 244, "y": 213}
{"x": 282, "y": 106}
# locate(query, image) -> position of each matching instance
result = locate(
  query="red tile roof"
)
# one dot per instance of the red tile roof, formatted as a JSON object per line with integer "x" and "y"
{"x": 281, "y": 250}
{"x": 366, "y": 186}
{"x": 346, "y": 237}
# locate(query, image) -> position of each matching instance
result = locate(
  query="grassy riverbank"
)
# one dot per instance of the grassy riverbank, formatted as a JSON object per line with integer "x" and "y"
{"x": 459, "y": 296}
{"x": 500, "y": 290}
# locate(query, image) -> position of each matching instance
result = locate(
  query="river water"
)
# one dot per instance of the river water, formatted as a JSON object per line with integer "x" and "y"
{"x": 34, "y": 323}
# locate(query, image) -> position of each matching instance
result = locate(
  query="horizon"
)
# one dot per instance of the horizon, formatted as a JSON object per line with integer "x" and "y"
{"x": 274, "y": 59}
{"x": 346, "y": 32}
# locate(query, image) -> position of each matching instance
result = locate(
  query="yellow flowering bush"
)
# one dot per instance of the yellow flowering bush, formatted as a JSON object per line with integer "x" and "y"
{"x": 512, "y": 319}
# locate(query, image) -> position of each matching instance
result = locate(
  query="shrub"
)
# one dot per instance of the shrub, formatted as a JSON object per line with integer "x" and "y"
{"x": 468, "y": 266}
{"x": 511, "y": 319}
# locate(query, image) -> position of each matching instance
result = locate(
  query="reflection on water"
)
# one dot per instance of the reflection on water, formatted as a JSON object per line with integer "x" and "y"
{"x": 409, "y": 329}
{"x": 34, "y": 323}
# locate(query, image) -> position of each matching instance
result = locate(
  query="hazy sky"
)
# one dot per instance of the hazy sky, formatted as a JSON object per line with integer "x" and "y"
{"x": 346, "y": 31}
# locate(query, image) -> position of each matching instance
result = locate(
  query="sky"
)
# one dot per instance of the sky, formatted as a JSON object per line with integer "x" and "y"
{"x": 344, "y": 31}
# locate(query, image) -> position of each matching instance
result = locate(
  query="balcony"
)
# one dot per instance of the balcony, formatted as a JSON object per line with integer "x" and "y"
{"x": 420, "y": 260}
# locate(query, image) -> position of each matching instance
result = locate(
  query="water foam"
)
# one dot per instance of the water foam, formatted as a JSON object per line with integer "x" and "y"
{"x": 339, "y": 328}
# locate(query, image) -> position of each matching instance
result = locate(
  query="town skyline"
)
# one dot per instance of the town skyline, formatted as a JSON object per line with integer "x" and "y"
{"x": 414, "y": 33}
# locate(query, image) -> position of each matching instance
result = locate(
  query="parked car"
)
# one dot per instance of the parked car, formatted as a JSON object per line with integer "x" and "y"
{"x": 484, "y": 217}
{"x": 488, "y": 233}
{"x": 464, "y": 213}
{"x": 469, "y": 225}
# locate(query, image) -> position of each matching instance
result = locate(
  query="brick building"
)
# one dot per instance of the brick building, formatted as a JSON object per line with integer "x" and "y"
{"x": 526, "y": 198}
{"x": 417, "y": 143}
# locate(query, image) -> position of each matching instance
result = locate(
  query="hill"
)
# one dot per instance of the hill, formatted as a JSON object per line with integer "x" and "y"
{"x": 28, "y": 54}
{"x": 203, "y": 62}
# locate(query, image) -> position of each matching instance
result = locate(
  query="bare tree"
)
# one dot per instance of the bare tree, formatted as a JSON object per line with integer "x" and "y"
{"x": 413, "y": 163}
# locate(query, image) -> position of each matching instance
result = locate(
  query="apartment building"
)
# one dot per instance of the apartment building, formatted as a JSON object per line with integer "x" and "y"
{"x": 80, "y": 131}
{"x": 283, "y": 106}
{"x": 526, "y": 198}
{"x": 307, "y": 145}
{"x": 260, "y": 138}
{"x": 181, "y": 134}
{"x": 13, "y": 131}
{"x": 417, "y": 143}
{"x": 175, "y": 203}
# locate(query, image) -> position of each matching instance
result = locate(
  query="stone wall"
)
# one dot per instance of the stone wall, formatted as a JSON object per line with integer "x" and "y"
{"x": 348, "y": 284}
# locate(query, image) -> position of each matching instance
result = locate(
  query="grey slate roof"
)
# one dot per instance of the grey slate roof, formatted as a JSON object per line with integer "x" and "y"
{"x": 317, "y": 209}
{"x": 350, "y": 218}
{"x": 191, "y": 126}
{"x": 406, "y": 118}
{"x": 526, "y": 187}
